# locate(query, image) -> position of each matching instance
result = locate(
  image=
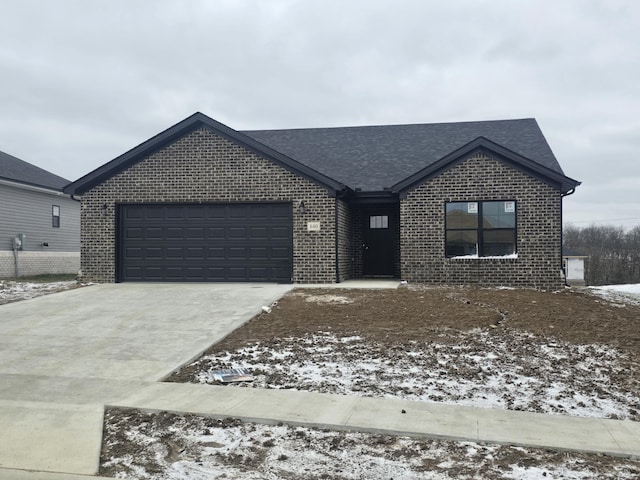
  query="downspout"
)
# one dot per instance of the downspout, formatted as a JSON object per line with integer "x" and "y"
{"x": 570, "y": 192}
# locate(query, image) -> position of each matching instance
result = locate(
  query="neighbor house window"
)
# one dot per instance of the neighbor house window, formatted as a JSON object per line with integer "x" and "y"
{"x": 483, "y": 229}
{"x": 55, "y": 216}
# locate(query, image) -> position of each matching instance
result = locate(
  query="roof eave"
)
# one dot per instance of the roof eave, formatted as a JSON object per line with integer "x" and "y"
{"x": 30, "y": 185}
{"x": 564, "y": 183}
{"x": 184, "y": 127}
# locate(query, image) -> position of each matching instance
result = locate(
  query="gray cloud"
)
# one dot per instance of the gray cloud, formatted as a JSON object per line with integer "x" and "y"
{"x": 85, "y": 81}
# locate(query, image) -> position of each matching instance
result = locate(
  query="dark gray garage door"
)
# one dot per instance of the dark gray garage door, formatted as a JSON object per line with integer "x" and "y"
{"x": 243, "y": 242}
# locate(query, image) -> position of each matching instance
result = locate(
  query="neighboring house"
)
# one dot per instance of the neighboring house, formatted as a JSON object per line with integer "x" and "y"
{"x": 573, "y": 263}
{"x": 453, "y": 203}
{"x": 39, "y": 224}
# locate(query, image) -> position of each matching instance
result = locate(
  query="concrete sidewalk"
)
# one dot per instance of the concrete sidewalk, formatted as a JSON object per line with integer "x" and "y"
{"x": 69, "y": 434}
{"x": 385, "y": 415}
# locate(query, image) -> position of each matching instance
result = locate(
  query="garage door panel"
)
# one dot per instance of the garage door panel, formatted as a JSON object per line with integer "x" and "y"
{"x": 279, "y": 233}
{"x": 196, "y": 233}
{"x": 134, "y": 233}
{"x": 216, "y": 233}
{"x": 195, "y": 253}
{"x": 236, "y": 233}
{"x": 154, "y": 253}
{"x": 259, "y": 233}
{"x": 282, "y": 212}
{"x": 280, "y": 255}
{"x": 216, "y": 212}
{"x": 236, "y": 253}
{"x": 151, "y": 212}
{"x": 259, "y": 253}
{"x": 134, "y": 252}
{"x": 208, "y": 243}
{"x": 215, "y": 253}
{"x": 239, "y": 211}
{"x": 153, "y": 233}
{"x": 175, "y": 233}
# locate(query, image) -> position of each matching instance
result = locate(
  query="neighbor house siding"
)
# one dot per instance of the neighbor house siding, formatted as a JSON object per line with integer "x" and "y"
{"x": 28, "y": 211}
{"x": 205, "y": 167}
{"x": 478, "y": 178}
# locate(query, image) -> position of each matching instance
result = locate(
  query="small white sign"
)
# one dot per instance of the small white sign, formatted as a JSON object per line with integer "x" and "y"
{"x": 313, "y": 226}
{"x": 472, "y": 207}
{"x": 509, "y": 207}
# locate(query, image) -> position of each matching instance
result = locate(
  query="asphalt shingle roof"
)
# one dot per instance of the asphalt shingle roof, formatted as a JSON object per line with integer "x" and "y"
{"x": 374, "y": 157}
{"x": 16, "y": 170}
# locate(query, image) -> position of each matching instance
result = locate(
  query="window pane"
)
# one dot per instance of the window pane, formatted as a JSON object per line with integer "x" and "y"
{"x": 55, "y": 216}
{"x": 498, "y": 215}
{"x": 378, "y": 221}
{"x": 461, "y": 242}
{"x": 462, "y": 215}
{"x": 499, "y": 243}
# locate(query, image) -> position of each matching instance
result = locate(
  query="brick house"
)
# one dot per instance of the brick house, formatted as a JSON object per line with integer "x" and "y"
{"x": 453, "y": 203}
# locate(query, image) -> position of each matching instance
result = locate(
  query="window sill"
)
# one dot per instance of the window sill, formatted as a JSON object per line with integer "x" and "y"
{"x": 476, "y": 257}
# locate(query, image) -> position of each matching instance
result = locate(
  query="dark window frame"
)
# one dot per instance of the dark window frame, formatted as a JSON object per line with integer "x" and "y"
{"x": 480, "y": 229}
{"x": 55, "y": 216}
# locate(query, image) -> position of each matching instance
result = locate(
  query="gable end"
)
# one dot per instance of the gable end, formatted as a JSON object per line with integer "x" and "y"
{"x": 184, "y": 128}
{"x": 484, "y": 145}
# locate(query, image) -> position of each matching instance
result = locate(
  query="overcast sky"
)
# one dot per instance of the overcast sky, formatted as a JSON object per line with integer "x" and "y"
{"x": 84, "y": 81}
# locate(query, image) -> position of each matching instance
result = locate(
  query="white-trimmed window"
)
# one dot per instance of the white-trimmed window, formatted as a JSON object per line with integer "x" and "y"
{"x": 483, "y": 229}
{"x": 55, "y": 216}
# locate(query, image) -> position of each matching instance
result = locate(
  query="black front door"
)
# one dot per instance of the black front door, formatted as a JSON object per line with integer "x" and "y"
{"x": 379, "y": 255}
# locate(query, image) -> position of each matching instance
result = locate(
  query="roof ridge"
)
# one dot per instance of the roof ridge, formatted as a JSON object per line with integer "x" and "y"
{"x": 395, "y": 125}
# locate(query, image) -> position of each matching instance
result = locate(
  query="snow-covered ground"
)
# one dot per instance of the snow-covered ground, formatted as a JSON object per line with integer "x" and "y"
{"x": 624, "y": 293}
{"x": 14, "y": 290}
{"x": 481, "y": 368}
{"x": 179, "y": 447}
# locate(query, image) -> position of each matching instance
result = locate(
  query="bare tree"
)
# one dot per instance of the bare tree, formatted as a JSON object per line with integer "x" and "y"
{"x": 614, "y": 255}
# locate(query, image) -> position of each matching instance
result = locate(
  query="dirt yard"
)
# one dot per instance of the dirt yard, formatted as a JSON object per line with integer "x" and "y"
{"x": 569, "y": 352}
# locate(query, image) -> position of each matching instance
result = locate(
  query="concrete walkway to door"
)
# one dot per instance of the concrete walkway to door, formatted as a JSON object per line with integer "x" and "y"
{"x": 63, "y": 356}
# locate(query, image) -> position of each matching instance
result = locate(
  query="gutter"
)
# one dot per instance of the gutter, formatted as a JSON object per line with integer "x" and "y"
{"x": 33, "y": 188}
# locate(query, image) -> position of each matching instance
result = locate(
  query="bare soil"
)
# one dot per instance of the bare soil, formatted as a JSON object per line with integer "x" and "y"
{"x": 420, "y": 314}
{"x": 164, "y": 445}
{"x": 584, "y": 349}
{"x": 588, "y": 345}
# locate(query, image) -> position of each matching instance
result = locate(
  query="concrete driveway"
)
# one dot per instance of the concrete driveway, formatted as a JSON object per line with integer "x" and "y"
{"x": 66, "y": 355}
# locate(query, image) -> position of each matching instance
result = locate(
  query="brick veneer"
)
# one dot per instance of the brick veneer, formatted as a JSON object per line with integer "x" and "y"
{"x": 481, "y": 177}
{"x": 345, "y": 242}
{"x": 205, "y": 167}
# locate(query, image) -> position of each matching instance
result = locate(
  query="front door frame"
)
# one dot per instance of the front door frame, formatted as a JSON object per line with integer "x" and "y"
{"x": 380, "y": 240}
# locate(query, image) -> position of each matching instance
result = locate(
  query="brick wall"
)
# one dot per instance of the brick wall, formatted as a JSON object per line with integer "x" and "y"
{"x": 345, "y": 240}
{"x": 205, "y": 167}
{"x": 477, "y": 178}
